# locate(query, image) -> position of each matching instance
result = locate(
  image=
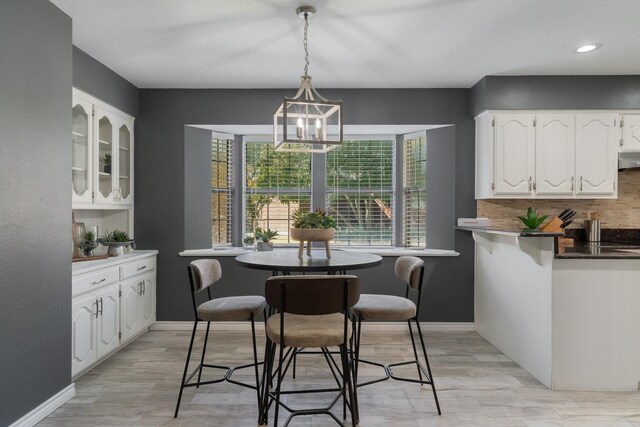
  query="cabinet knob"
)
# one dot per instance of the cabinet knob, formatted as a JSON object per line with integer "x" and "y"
{"x": 530, "y": 179}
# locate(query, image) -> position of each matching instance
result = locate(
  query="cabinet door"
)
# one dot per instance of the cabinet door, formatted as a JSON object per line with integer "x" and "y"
{"x": 514, "y": 154}
{"x": 83, "y": 333}
{"x": 596, "y": 154}
{"x": 81, "y": 165}
{"x": 106, "y": 158}
{"x": 148, "y": 310}
{"x": 108, "y": 320}
{"x": 130, "y": 308}
{"x": 125, "y": 163}
{"x": 555, "y": 154}
{"x": 631, "y": 133}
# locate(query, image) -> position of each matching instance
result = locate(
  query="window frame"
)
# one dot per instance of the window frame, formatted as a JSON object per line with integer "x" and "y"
{"x": 231, "y": 187}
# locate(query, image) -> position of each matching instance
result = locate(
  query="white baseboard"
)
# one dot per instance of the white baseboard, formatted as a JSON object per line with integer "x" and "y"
{"x": 50, "y": 405}
{"x": 379, "y": 326}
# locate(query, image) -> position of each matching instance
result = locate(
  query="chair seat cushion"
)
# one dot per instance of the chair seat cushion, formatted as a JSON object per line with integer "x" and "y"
{"x": 231, "y": 308}
{"x": 324, "y": 330}
{"x": 384, "y": 307}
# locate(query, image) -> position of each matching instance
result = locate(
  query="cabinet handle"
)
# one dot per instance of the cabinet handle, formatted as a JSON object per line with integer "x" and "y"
{"x": 534, "y": 186}
{"x": 621, "y": 142}
{"x": 139, "y": 288}
{"x": 530, "y": 183}
{"x": 580, "y": 183}
{"x": 95, "y": 282}
{"x": 100, "y": 311}
{"x": 142, "y": 268}
{"x": 97, "y": 311}
{"x": 144, "y": 287}
{"x": 572, "y": 179}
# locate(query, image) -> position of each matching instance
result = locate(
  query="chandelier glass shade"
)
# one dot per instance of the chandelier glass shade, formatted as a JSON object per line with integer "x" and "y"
{"x": 307, "y": 122}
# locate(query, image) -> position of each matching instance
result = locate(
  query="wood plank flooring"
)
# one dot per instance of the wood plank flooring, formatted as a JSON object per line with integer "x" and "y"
{"x": 477, "y": 386}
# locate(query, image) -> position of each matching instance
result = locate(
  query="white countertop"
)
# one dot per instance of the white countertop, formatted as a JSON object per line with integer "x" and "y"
{"x": 81, "y": 267}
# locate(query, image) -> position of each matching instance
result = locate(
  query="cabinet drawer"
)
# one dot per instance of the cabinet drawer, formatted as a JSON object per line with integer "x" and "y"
{"x": 95, "y": 280}
{"x": 138, "y": 267}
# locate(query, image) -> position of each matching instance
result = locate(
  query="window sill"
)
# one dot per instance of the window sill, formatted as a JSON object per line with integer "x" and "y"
{"x": 384, "y": 252}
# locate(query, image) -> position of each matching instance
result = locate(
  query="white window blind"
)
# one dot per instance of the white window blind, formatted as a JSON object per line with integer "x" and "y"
{"x": 275, "y": 185}
{"x": 221, "y": 191}
{"x": 414, "y": 188}
{"x": 359, "y": 192}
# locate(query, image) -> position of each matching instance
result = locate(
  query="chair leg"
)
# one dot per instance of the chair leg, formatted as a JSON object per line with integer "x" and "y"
{"x": 354, "y": 381}
{"x": 295, "y": 358}
{"x": 278, "y": 386}
{"x": 255, "y": 364}
{"x": 186, "y": 368}
{"x": 204, "y": 349}
{"x": 415, "y": 351}
{"x": 348, "y": 389}
{"x": 426, "y": 359}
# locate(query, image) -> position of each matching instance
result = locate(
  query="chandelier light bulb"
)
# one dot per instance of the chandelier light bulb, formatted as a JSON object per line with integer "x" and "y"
{"x": 300, "y": 129}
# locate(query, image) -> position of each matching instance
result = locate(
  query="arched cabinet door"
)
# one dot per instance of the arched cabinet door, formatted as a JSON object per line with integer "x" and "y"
{"x": 125, "y": 163}
{"x": 81, "y": 165}
{"x": 514, "y": 154}
{"x": 83, "y": 333}
{"x": 555, "y": 154}
{"x": 105, "y": 161}
{"x": 596, "y": 154}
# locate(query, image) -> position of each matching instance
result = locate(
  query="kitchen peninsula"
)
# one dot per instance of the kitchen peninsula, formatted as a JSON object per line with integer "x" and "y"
{"x": 571, "y": 318}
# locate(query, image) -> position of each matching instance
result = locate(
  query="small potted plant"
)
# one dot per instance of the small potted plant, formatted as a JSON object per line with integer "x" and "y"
{"x": 532, "y": 220}
{"x": 116, "y": 240}
{"x": 88, "y": 243}
{"x": 312, "y": 226}
{"x": 263, "y": 238}
{"x": 106, "y": 161}
{"x": 249, "y": 241}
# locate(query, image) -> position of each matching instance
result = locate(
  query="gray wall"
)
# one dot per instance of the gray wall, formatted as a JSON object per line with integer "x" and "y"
{"x": 555, "y": 92}
{"x": 93, "y": 77}
{"x": 197, "y": 188}
{"x": 441, "y": 176}
{"x": 35, "y": 205}
{"x": 160, "y": 219}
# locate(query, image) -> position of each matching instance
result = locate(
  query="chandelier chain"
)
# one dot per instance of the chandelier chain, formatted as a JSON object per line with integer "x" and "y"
{"x": 306, "y": 48}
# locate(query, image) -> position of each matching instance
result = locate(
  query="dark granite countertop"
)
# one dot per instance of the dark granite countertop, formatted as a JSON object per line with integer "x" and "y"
{"x": 512, "y": 232}
{"x": 602, "y": 250}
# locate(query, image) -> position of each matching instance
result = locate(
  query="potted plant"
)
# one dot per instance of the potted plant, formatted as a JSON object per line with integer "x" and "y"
{"x": 249, "y": 241}
{"x": 263, "y": 238}
{"x": 88, "y": 243}
{"x": 106, "y": 161}
{"x": 116, "y": 240}
{"x": 532, "y": 220}
{"x": 312, "y": 226}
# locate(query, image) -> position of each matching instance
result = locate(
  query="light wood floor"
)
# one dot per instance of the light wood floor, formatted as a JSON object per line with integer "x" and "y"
{"x": 477, "y": 386}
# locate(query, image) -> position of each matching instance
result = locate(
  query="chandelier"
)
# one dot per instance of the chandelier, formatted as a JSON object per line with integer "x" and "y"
{"x": 307, "y": 122}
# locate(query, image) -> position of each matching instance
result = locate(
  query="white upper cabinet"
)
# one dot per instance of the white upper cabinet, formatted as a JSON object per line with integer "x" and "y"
{"x": 630, "y": 125}
{"x": 102, "y": 163}
{"x": 596, "y": 154}
{"x": 550, "y": 155}
{"x": 514, "y": 154}
{"x": 81, "y": 167}
{"x": 555, "y": 154}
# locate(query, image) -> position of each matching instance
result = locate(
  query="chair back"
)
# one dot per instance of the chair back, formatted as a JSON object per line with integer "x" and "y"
{"x": 312, "y": 295}
{"x": 410, "y": 269}
{"x": 204, "y": 273}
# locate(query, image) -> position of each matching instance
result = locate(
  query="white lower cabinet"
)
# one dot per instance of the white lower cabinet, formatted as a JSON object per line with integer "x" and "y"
{"x": 110, "y": 306}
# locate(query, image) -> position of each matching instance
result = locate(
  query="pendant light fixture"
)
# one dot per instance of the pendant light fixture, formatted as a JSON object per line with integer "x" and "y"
{"x": 307, "y": 122}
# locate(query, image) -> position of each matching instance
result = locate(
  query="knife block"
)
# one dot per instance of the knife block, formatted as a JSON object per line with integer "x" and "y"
{"x": 553, "y": 226}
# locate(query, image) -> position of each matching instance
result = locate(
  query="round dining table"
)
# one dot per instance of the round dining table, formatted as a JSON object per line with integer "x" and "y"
{"x": 286, "y": 261}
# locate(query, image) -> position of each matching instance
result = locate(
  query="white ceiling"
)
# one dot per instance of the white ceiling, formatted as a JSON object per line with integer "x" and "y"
{"x": 354, "y": 43}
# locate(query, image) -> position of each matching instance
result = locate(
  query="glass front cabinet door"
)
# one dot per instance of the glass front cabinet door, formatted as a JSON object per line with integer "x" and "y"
{"x": 81, "y": 167}
{"x": 105, "y": 161}
{"x": 124, "y": 188}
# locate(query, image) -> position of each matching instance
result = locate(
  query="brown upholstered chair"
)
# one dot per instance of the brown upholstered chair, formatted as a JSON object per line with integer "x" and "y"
{"x": 313, "y": 312}
{"x": 410, "y": 270}
{"x": 202, "y": 274}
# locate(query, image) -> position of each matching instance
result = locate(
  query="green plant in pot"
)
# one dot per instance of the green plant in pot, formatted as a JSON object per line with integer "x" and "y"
{"x": 318, "y": 219}
{"x": 312, "y": 226}
{"x": 106, "y": 161}
{"x": 116, "y": 241}
{"x": 88, "y": 243}
{"x": 264, "y": 239}
{"x": 532, "y": 220}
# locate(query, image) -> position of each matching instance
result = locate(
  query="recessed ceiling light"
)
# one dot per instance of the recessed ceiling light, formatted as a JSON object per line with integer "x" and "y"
{"x": 588, "y": 47}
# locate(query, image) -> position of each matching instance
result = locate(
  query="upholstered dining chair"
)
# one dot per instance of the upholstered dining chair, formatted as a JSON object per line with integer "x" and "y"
{"x": 390, "y": 308}
{"x": 312, "y": 312}
{"x": 203, "y": 273}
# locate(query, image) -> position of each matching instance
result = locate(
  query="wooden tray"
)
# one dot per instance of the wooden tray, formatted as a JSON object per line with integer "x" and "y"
{"x": 92, "y": 258}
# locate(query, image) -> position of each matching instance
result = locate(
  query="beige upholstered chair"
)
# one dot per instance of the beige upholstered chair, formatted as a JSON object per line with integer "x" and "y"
{"x": 312, "y": 313}
{"x": 202, "y": 274}
{"x": 410, "y": 270}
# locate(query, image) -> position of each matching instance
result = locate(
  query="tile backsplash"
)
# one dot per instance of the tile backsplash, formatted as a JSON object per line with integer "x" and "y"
{"x": 624, "y": 212}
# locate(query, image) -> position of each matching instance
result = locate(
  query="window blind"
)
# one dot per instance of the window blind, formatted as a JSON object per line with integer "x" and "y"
{"x": 275, "y": 185}
{"x": 359, "y": 192}
{"x": 221, "y": 191}
{"x": 414, "y": 187}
